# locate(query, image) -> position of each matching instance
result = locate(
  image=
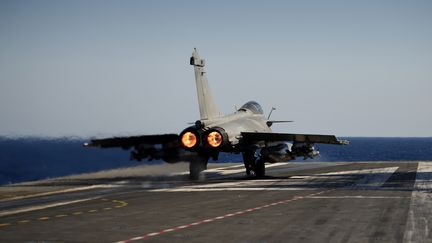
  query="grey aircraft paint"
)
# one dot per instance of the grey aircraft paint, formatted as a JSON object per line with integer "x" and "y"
{"x": 245, "y": 131}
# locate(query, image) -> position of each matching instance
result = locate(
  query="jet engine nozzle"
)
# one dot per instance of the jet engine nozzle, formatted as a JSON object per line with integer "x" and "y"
{"x": 189, "y": 139}
{"x": 215, "y": 138}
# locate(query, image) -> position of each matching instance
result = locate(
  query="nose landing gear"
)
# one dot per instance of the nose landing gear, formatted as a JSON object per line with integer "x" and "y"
{"x": 196, "y": 166}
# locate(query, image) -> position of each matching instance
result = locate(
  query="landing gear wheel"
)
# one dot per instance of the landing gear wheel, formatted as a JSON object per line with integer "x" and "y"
{"x": 196, "y": 167}
{"x": 259, "y": 168}
{"x": 249, "y": 161}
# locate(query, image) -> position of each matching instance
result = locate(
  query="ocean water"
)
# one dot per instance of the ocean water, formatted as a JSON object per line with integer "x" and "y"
{"x": 27, "y": 159}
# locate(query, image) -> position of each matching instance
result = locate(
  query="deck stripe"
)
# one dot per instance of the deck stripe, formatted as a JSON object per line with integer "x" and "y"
{"x": 419, "y": 221}
{"x": 217, "y": 218}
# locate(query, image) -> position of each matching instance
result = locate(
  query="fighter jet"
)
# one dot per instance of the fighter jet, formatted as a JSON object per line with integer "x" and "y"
{"x": 246, "y": 131}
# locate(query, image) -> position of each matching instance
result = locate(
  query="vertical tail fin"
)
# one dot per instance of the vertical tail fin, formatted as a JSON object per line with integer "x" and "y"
{"x": 207, "y": 106}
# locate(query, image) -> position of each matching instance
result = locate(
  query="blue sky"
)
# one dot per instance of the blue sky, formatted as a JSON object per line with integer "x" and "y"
{"x": 101, "y": 68}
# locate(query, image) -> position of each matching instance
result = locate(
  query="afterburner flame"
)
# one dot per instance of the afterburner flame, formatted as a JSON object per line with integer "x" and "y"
{"x": 189, "y": 139}
{"x": 214, "y": 139}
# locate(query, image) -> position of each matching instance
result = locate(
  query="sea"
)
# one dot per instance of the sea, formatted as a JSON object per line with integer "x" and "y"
{"x": 29, "y": 159}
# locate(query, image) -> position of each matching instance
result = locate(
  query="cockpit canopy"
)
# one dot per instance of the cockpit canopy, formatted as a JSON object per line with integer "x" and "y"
{"x": 252, "y": 106}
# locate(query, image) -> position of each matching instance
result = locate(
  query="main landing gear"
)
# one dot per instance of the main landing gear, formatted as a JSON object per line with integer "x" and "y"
{"x": 253, "y": 164}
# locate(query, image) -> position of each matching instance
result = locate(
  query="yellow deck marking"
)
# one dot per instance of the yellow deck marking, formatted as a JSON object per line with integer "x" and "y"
{"x": 76, "y": 189}
{"x": 119, "y": 203}
{"x": 43, "y": 207}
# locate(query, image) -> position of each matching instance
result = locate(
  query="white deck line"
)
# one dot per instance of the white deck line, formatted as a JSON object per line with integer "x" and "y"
{"x": 372, "y": 178}
{"x": 229, "y": 170}
{"x": 420, "y": 213}
{"x": 234, "y": 189}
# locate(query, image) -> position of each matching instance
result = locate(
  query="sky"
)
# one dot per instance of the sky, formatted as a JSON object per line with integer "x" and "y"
{"x": 105, "y": 68}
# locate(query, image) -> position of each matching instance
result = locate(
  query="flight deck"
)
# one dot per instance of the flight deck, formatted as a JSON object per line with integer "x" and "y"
{"x": 295, "y": 202}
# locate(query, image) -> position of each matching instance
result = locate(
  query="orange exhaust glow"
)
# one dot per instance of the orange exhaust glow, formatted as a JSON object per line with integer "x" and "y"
{"x": 214, "y": 139}
{"x": 189, "y": 139}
